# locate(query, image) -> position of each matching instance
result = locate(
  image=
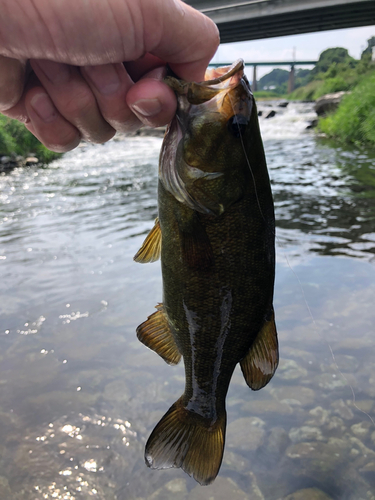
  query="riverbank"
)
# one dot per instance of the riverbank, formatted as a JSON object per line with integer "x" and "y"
{"x": 18, "y": 146}
{"x": 354, "y": 120}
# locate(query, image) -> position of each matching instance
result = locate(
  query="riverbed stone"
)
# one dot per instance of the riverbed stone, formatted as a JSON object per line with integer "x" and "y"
{"x": 173, "y": 490}
{"x": 224, "y": 489}
{"x": 236, "y": 462}
{"x": 294, "y": 395}
{"x": 117, "y": 391}
{"x": 246, "y": 433}
{"x": 362, "y": 429}
{"x": 291, "y": 370}
{"x": 305, "y": 433}
{"x": 5, "y": 493}
{"x": 365, "y": 405}
{"x": 319, "y": 416}
{"x": 342, "y": 409}
{"x": 300, "y": 354}
{"x": 267, "y": 406}
{"x": 329, "y": 381}
{"x": 308, "y": 494}
{"x": 337, "y": 425}
{"x": 278, "y": 441}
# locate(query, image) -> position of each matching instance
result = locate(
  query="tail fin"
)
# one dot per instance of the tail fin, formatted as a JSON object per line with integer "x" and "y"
{"x": 187, "y": 440}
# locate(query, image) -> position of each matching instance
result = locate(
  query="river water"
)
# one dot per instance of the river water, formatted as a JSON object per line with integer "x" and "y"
{"x": 79, "y": 395}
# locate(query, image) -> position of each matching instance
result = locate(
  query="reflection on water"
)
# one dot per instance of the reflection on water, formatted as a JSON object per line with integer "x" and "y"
{"x": 79, "y": 394}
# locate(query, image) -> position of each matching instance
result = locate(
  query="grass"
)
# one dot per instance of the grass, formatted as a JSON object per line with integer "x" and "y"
{"x": 16, "y": 139}
{"x": 354, "y": 120}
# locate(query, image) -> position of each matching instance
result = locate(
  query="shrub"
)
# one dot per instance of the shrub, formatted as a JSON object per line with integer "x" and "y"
{"x": 16, "y": 139}
{"x": 354, "y": 120}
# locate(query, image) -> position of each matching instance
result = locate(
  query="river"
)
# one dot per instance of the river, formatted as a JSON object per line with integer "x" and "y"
{"x": 79, "y": 395}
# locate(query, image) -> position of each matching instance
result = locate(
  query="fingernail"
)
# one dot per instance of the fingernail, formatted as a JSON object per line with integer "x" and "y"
{"x": 104, "y": 77}
{"x": 56, "y": 73}
{"x": 147, "y": 107}
{"x": 43, "y": 107}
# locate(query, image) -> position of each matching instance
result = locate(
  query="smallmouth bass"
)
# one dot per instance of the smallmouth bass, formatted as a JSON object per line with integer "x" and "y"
{"x": 215, "y": 236}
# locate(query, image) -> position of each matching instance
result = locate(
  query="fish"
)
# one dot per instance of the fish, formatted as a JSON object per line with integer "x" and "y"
{"x": 215, "y": 236}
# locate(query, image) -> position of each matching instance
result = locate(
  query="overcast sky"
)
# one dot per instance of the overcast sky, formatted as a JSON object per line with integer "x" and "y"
{"x": 308, "y": 47}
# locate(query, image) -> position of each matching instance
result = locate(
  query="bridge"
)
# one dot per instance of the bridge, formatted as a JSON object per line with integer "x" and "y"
{"x": 240, "y": 20}
{"x": 291, "y": 64}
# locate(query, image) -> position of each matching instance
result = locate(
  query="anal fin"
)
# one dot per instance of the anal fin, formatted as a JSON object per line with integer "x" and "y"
{"x": 260, "y": 363}
{"x": 156, "y": 334}
{"x": 151, "y": 247}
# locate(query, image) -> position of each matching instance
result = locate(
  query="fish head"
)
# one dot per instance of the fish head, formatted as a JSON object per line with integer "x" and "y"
{"x": 205, "y": 149}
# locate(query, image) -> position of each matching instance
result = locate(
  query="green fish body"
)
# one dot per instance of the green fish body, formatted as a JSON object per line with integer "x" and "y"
{"x": 215, "y": 236}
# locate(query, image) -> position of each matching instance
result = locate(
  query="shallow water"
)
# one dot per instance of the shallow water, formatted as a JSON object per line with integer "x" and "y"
{"x": 79, "y": 395}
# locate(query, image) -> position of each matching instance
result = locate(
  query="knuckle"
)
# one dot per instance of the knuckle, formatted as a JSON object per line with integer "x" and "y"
{"x": 80, "y": 104}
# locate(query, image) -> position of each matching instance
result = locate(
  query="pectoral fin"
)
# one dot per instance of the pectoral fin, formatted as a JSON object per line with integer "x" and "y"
{"x": 151, "y": 247}
{"x": 156, "y": 334}
{"x": 260, "y": 363}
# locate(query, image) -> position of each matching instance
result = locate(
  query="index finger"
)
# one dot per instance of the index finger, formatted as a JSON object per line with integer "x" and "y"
{"x": 187, "y": 40}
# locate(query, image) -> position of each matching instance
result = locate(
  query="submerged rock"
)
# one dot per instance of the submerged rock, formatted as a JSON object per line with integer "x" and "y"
{"x": 224, "y": 489}
{"x": 294, "y": 395}
{"x": 173, "y": 490}
{"x": 308, "y": 494}
{"x": 362, "y": 429}
{"x": 246, "y": 433}
{"x": 271, "y": 114}
{"x": 305, "y": 433}
{"x": 267, "y": 406}
{"x": 278, "y": 441}
{"x": 342, "y": 409}
{"x": 291, "y": 370}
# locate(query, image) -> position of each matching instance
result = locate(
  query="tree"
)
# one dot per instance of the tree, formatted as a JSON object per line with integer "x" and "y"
{"x": 370, "y": 45}
{"x": 328, "y": 57}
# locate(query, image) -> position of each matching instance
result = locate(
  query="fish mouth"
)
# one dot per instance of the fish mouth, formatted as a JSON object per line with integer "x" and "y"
{"x": 218, "y": 76}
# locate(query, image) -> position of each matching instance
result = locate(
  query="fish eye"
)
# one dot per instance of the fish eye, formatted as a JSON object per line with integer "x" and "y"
{"x": 237, "y": 125}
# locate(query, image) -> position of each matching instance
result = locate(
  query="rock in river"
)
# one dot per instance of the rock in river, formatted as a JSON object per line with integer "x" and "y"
{"x": 308, "y": 494}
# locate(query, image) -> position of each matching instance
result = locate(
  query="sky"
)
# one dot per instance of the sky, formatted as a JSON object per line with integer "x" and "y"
{"x": 307, "y": 47}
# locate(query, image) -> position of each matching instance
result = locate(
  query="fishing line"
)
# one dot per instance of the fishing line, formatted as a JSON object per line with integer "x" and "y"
{"x": 318, "y": 330}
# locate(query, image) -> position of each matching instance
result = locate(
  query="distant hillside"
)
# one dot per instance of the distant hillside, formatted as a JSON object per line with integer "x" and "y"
{"x": 277, "y": 80}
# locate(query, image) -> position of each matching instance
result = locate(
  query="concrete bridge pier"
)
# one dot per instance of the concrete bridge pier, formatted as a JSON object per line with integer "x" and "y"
{"x": 291, "y": 80}
{"x": 254, "y": 82}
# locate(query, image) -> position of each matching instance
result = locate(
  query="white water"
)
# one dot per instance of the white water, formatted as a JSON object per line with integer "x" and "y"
{"x": 288, "y": 123}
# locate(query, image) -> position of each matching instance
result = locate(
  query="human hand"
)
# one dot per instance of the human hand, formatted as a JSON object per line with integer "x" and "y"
{"x": 62, "y": 71}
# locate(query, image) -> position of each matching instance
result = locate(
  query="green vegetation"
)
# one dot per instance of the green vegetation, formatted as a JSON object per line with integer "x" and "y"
{"x": 16, "y": 139}
{"x": 354, "y": 120}
{"x": 336, "y": 70}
